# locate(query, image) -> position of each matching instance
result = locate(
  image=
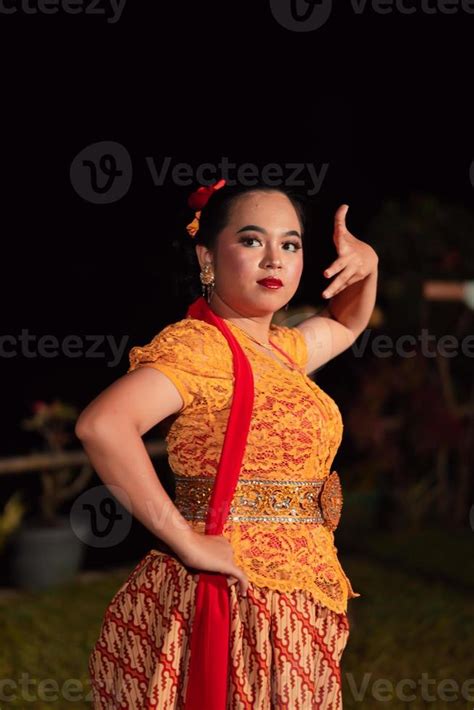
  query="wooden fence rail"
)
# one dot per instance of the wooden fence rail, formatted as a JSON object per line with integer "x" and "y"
{"x": 40, "y": 461}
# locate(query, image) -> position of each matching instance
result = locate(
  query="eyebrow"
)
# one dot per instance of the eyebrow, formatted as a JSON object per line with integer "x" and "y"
{"x": 255, "y": 228}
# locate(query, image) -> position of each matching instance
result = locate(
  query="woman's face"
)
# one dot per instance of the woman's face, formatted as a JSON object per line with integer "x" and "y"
{"x": 262, "y": 239}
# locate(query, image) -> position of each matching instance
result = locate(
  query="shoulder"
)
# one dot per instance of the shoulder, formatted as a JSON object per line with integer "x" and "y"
{"x": 292, "y": 341}
{"x": 190, "y": 343}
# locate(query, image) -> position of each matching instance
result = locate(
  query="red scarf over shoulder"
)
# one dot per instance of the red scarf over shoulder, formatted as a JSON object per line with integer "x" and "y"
{"x": 210, "y": 633}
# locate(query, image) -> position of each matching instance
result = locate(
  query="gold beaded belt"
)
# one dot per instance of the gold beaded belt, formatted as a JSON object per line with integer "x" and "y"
{"x": 267, "y": 501}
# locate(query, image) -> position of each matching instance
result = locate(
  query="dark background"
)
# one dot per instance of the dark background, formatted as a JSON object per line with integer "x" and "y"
{"x": 384, "y": 99}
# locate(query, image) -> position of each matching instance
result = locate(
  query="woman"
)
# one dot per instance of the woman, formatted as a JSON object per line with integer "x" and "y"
{"x": 256, "y": 502}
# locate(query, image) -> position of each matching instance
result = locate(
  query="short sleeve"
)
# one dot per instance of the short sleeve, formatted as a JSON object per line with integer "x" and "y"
{"x": 195, "y": 356}
{"x": 294, "y": 341}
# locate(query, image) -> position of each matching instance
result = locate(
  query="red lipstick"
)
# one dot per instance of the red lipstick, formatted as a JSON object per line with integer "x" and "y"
{"x": 270, "y": 283}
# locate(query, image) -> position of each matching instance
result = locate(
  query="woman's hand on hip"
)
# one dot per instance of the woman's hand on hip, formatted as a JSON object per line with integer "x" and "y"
{"x": 214, "y": 553}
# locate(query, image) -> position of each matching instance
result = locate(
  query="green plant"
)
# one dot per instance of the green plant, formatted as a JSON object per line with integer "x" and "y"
{"x": 53, "y": 422}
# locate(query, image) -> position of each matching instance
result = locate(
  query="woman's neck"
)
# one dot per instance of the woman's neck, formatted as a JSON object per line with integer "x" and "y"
{"x": 257, "y": 326}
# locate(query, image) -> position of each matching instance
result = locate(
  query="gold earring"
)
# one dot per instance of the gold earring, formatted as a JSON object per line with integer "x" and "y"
{"x": 207, "y": 281}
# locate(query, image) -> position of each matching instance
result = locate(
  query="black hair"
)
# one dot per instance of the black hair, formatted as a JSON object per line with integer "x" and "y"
{"x": 213, "y": 219}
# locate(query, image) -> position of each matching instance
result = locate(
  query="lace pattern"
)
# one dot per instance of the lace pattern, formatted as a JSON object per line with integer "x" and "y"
{"x": 295, "y": 432}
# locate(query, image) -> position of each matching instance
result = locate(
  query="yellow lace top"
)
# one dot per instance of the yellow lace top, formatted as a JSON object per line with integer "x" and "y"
{"x": 294, "y": 434}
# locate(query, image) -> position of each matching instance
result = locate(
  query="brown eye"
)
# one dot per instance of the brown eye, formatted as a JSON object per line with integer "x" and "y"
{"x": 249, "y": 239}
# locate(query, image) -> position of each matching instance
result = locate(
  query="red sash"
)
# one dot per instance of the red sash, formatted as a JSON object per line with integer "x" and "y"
{"x": 210, "y": 633}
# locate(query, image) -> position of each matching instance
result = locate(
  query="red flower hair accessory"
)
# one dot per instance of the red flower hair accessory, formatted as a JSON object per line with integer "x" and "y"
{"x": 197, "y": 200}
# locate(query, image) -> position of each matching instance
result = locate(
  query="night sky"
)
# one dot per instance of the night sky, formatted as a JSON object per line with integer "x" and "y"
{"x": 383, "y": 100}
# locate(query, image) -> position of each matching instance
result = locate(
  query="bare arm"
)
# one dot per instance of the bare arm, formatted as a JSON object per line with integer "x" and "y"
{"x": 352, "y": 293}
{"x": 111, "y": 429}
{"x": 338, "y": 325}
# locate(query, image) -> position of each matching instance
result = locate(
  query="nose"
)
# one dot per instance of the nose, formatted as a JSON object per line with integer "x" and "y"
{"x": 272, "y": 257}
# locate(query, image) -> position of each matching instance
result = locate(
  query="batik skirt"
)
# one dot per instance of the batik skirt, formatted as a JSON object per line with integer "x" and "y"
{"x": 285, "y": 650}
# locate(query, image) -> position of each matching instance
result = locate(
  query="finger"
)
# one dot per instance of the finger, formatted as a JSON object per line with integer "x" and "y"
{"x": 243, "y": 582}
{"x": 335, "y": 267}
{"x": 342, "y": 287}
{"x": 231, "y": 580}
{"x": 338, "y": 284}
{"x": 340, "y": 219}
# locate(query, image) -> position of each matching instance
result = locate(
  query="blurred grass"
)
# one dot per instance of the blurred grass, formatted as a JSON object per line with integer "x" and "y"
{"x": 402, "y": 626}
{"x": 432, "y": 552}
{"x": 49, "y": 635}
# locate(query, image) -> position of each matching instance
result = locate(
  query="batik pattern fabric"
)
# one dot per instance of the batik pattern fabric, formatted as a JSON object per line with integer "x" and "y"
{"x": 285, "y": 648}
{"x": 288, "y": 635}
